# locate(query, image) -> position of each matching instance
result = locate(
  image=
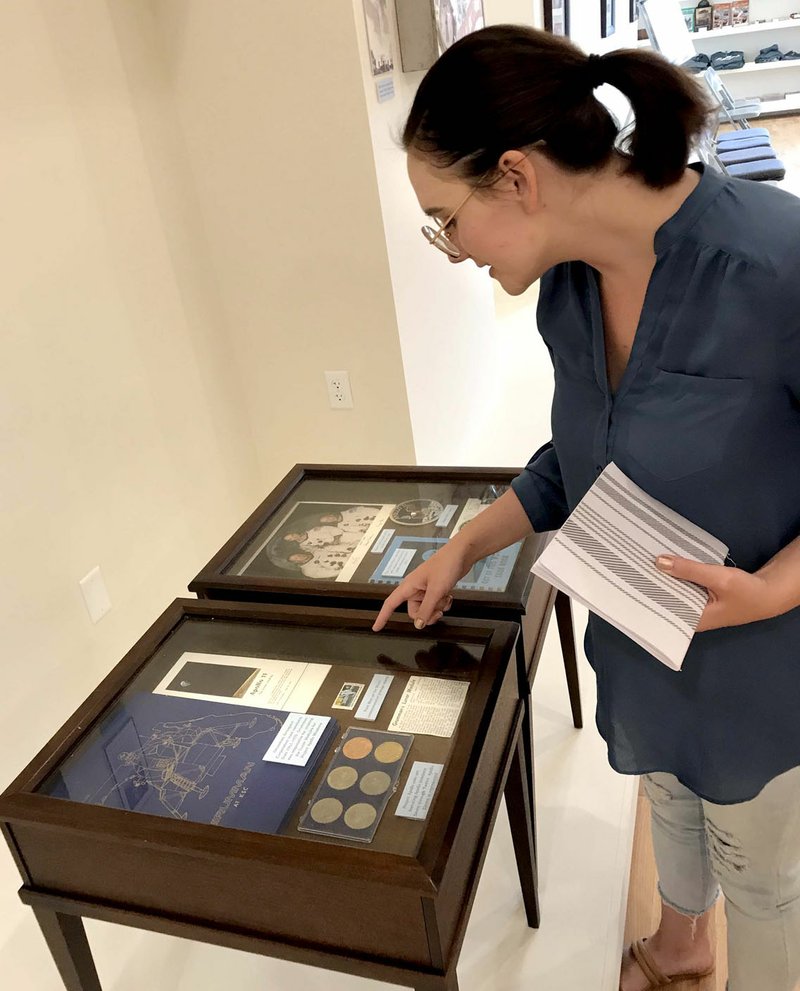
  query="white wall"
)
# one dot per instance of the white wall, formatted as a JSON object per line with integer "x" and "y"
{"x": 271, "y": 103}
{"x": 123, "y": 440}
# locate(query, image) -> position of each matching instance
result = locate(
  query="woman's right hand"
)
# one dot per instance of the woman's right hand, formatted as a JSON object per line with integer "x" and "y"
{"x": 427, "y": 589}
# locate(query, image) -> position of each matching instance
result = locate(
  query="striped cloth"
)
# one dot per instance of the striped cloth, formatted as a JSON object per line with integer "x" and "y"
{"x": 604, "y": 556}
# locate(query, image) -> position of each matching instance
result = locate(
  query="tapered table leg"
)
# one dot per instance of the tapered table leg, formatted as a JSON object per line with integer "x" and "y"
{"x": 448, "y": 982}
{"x": 566, "y": 633}
{"x": 522, "y": 823}
{"x": 69, "y": 946}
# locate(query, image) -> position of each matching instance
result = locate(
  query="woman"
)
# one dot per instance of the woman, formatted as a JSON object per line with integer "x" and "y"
{"x": 669, "y": 302}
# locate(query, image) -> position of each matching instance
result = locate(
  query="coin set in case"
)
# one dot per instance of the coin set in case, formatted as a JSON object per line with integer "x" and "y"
{"x": 357, "y": 785}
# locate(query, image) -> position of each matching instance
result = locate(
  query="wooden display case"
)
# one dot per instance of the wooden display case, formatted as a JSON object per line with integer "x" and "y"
{"x": 279, "y": 554}
{"x": 395, "y": 908}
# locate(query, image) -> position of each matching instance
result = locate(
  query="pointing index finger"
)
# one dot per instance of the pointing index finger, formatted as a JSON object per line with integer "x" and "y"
{"x": 397, "y": 598}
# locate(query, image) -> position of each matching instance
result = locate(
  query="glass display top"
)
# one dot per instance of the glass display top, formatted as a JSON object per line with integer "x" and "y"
{"x": 334, "y": 736}
{"x": 371, "y": 532}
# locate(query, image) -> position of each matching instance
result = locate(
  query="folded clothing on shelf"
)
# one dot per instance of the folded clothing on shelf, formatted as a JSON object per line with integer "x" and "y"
{"x": 770, "y": 54}
{"x": 697, "y": 64}
{"x": 790, "y": 55}
{"x": 727, "y": 60}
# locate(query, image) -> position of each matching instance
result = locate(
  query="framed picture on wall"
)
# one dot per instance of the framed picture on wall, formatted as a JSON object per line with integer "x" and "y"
{"x": 556, "y": 17}
{"x": 426, "y": 28}
{"x": 608, "y": 18}
{"x": 379, "y": 36}
{"x": 455, "y": 19}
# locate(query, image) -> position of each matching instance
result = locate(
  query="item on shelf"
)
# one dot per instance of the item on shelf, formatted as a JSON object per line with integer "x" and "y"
{"x": 688, "y": 16}
{"x": 702, "y": 16}
{"x": 790, "y": 55}
{"x": 727, "y": 60}
{"x": 721, "y": 15}
{"x": 699, "y": 63}
{"x": 769, "y": 54}
{"x": 740, "y": 12}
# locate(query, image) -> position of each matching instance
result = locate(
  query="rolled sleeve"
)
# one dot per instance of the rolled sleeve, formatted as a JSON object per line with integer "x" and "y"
{"x": 541, "y": 491}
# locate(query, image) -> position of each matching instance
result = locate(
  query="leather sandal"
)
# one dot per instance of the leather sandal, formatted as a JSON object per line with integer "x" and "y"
{"x": 651, "y": 970}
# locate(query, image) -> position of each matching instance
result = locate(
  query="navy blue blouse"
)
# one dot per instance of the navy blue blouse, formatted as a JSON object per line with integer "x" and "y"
{"x": 707, "y": 420}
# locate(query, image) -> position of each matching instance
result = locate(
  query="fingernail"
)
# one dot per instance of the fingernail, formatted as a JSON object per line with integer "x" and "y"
{"x": 665, "y": 563}
{"x": 419, "y": 623}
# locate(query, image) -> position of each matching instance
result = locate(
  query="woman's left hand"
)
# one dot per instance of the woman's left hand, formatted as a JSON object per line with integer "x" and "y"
{"x": 735, "y": 597}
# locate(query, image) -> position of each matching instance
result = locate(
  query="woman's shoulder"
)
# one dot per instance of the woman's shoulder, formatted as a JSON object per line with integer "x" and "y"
{"x": 756, "y": 223}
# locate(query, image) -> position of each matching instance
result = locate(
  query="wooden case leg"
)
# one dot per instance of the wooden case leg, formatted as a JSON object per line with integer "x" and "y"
{"x": 448, "y": 982}
{"x": 66, "y": 939}
{"x": 566, "y": 633}
{"x": 523, "y": 830}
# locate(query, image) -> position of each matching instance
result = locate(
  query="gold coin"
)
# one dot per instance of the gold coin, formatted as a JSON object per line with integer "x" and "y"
{"x": 342, "y": 777}
{"x": 375, "y": 783}
{"x": 357, "y": 747}
{"x": 388, "y": 753}
{"x": 360, "y": 816}
{"x": 326, "y": 810}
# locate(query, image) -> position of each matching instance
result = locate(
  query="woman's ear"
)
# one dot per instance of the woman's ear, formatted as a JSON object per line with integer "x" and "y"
{"x": 519, "y": 178}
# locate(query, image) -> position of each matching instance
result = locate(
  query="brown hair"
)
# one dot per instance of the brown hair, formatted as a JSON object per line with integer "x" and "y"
{"x": 507, "y": 87}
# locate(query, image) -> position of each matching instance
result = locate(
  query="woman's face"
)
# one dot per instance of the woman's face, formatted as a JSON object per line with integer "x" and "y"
{"x": 502, "y": 227}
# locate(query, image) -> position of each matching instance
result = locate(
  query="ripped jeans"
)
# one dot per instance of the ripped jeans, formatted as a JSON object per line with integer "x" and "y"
{"x": 752, "y": 851}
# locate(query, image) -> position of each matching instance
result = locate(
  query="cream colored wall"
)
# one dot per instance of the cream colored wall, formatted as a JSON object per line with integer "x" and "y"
{"x": 123, "y": 438}
{"x": 272, "y": 107}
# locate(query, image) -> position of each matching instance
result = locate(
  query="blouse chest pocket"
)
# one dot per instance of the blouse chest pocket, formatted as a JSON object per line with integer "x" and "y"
{"x": 684, "y": 424}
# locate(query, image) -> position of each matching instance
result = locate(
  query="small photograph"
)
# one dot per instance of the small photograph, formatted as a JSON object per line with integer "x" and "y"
{"x": 740, "y": 12}
{"x": 347, "y": 696}
{"x": 702, "y": 18}
{"x": 417, "y": 512}
{"x": 317, "y": 540}
{"x": 379, "y": 36}
{"x": 557, "y": 17}
{"x": 721, "y": 17}
{"x": 688, "y": 16}
{"x": 455, "y": 19}
{"x": 219, "y": 680}
{"x": 608, "y": 18}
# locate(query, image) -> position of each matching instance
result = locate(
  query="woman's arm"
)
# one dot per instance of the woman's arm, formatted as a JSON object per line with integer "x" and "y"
{"x": 427, "y": 588}
{"x": 782, "y": 575}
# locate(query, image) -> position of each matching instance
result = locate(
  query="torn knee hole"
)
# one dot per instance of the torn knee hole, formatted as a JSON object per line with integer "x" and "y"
{"x": 724, "y": 849}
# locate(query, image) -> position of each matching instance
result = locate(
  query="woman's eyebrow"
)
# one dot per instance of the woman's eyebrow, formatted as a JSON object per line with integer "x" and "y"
{"x": 433, "y": 210}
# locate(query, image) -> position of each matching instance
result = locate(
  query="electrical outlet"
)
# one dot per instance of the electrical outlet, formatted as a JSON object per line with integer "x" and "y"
{"x": 339, "y": 394}
{"x": 95, "y": 594}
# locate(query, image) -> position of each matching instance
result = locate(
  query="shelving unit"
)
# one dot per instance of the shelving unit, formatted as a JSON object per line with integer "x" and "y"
{"x": 742, "y": 29}
{"x": 776, "y": 83}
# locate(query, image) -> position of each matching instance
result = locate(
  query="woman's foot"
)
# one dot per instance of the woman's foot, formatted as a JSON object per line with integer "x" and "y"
{"x": 694, "y": 957}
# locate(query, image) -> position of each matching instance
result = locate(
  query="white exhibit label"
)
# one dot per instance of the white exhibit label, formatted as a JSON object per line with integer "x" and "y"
{"x": 415, "y": 802}
{"x": 429, "y": 706}
{"x": 382, "y": 542}
{"x": 374, "y": 696}
{"x": 446, "y": 515}
{"x": 265, "y": 682}
{"x": 296, "y": 739}
{"x": 398, "y": 563}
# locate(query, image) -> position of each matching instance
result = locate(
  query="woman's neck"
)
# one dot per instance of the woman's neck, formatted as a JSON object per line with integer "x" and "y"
{"x": 609, "y": 219}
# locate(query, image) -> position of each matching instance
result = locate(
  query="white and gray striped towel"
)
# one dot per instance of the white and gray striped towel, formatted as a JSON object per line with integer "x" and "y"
{"x": 604, "y": 556}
